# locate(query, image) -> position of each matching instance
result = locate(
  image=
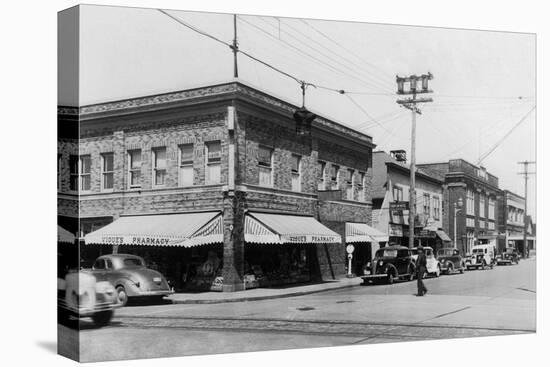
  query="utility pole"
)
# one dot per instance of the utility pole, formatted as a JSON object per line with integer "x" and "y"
{"x": 235, "y": 47}
{"x": 410, "y": 103}
{"x": 525, "y": 174}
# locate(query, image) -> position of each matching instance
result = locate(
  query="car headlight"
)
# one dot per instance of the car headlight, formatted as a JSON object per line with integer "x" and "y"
{"x": 368, "y": 264}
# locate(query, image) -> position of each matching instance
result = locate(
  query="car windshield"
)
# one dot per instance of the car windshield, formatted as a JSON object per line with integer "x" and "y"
{"x": 448, "y": 252}
{"x": 132, "y": 262}
{"x": 477, "y": 251}
{"x": 386, "y": 253}
{"x": 414, "y": 251}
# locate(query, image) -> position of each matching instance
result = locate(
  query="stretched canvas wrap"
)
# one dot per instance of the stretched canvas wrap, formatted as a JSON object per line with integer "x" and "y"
{"x": 232, "y": 183}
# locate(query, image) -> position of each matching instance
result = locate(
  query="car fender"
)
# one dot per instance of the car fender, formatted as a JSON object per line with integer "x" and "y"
{"x": 393, "y": 269}
{"x": 128, "y": 284}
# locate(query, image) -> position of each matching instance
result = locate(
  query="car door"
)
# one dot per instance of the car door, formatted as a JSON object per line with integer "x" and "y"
{"x": 402, "y": 261}
{"x": 98, "y": 269}
{"x": 430, "y": 261}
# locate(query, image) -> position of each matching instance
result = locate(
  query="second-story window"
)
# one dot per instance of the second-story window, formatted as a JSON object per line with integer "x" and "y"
{"x": 321, "y": 172}
{"x": 186, "y": 158}
{"x": 80, "y": 172}
{"x": 107, "y": 171}
{"x": 334, "y": 177}
{"x": 437, "y": 210}
{"x": 296, "y": 172}
{"x": 134, "y": 168}
{"x": 481, "y": 206}
{"x": 265, "y": 166}
{"x": 213, "y": 155}
{"x": 397, "y": 193}
{"x": 426, "y": 205}
{"x": 349, "y": 184}
{"x": 159, "y": 166}
{"x": 361, "y": 187}
{"x": 491, "y": 208}
{"x": 470, "y": 198}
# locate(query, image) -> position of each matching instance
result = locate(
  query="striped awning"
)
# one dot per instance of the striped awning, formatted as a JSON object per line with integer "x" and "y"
{"x": 64, "y": 236}
{"x": 441, "y": 234}
{"x": 182, "y": 229}
{"x": 362, "y": 232}
{"x": 281, "y": 228}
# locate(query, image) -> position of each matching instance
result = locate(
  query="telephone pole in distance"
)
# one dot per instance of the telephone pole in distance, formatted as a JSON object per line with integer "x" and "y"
{"x": 525, "y": 174}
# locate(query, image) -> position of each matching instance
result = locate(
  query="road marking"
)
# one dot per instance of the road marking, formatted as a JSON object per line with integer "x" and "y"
{"x": 448, "y": 313}
{"x": 526, "y": 290}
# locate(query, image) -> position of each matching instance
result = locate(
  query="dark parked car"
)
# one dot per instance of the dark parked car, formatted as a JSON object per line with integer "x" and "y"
{"x": 450, "y": 260}
{"x": 130, "y": 277}
{"x": 390, "y": 263}
{"x": 508, "y": 257}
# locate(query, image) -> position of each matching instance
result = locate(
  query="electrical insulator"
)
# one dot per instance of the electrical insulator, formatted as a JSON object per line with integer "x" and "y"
{"x": 413, "y": 84}
{"x": 400, "y": 86}
{"x": 425, "y": 82}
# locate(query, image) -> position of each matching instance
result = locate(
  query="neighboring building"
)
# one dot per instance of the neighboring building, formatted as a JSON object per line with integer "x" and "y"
{"x": 391, "y": 185}
{"x": 511, "y": 222}
{"x": 478, "y": 191}
{"x": 214, "y": 187}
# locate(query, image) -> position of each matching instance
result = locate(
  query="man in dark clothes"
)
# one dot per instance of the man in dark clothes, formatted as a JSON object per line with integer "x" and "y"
{"x": 420, "y": 270}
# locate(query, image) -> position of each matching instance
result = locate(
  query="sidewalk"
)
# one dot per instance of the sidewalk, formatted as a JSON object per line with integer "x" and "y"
{"x": 262, "y": 293}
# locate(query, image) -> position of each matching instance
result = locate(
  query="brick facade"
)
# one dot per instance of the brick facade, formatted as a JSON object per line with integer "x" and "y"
{"x": 201, "y": 116}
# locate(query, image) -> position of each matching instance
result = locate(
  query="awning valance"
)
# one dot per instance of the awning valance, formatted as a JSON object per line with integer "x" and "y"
{"x": 520, "y": 238}
{"x": 362, "y": 232}
{"x": 281, "y": 228}
{"x": 441, "y": 234}
{"x": 64, "y": 236}
{"x": 182, "y": 229}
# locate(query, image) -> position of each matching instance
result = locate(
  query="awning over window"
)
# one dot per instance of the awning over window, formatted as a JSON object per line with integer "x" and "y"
{"x": 362, "y": 232}
{"x": 441, "y": 234}
{"x": 64, "y": 236}
{"x": 186, "y": 229}
{"x": 279, "y": 228}
{"x": 520, "y": 238}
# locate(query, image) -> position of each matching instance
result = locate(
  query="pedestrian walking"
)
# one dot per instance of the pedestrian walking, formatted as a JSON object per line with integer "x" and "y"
{"x": 420, "y": 271}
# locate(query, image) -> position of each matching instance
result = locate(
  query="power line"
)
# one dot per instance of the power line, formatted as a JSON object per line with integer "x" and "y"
{"x": 505, "y": 136}
{"x": 364, "y": 72}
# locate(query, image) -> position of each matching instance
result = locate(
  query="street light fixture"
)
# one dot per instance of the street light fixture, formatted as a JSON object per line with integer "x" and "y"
{"x": 457, "y": 207}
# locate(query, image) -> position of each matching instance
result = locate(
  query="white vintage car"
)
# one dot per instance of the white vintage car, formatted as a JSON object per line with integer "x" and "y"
{"x": 482, "y": 256}
{"x": 432, "y": 265}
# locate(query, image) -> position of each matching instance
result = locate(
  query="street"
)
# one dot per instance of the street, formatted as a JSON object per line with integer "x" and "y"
{"x": 493, "y": 302}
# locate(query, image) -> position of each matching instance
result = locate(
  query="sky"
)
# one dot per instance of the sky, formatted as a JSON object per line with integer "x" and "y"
{"x": 484, "y": 82}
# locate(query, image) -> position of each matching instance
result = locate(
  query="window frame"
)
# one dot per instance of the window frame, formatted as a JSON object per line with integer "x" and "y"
{"x": 155, "y": 169}
{"x": 131, "y": 170}
{"x": 361, "y": 187}
{"x": 350, "y": 184}
{"x": 186, "y": 164}
{"x": 321, "y": 178}
{"x": 335, "y": 181}
{"x": 263, "y": 167}
{"x": 296, "y": 174}
{"x": 210, "y": 162}
{"x": 104, "y": 172}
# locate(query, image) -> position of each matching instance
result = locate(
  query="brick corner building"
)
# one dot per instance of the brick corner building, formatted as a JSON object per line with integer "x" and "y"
{"x": 213, "y": 186}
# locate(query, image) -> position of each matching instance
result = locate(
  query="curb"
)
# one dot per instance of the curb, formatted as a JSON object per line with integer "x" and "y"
{"x": 260, "y": 298}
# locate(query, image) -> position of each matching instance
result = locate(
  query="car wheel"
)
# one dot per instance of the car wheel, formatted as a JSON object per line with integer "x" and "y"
{"x": 102, "y": 318}
{"x": 483, "y": 265}
{"x": 449, "y": 268}
{"x": 390, "y": 278}
{"x": 122, "y": 296}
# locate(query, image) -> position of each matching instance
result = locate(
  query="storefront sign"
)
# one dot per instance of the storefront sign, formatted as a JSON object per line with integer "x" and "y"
{"x": 425, "y": 233}
{"x": 135, "y": 240}
{"x": 399, "y": 205}
{"x": 310, "y": 239}
{"x": 395, "y": 230}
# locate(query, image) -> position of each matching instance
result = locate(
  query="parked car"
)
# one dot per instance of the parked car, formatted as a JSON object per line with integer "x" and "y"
{"x": 450, "y": 260}
{"x": 130, "y": 277}
{"x": 390, "y": 263}
{"x": 508, "y": 257}
{"x": 432, "y": 265}
{"x": 79, "y": 295}
{"x": 482, "y": 256}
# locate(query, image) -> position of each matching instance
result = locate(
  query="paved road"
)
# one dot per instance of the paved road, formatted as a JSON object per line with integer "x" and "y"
{"x": 477, "y": 303}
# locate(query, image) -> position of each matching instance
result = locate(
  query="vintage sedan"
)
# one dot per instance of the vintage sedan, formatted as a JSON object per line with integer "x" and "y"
{"x": 390, "y": 263}
{"x": 130, "y": 277}
{"x": 450, "y": 260}
{"x": 432, "y": 265}
{"x": 508, "y": 257}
